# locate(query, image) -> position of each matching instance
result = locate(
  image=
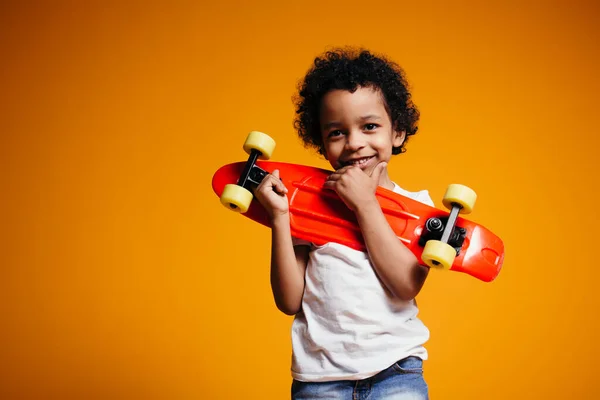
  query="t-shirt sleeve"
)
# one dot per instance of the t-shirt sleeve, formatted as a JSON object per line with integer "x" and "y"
{"x": 299, "y": 242}
{"x": 424, "y": 197}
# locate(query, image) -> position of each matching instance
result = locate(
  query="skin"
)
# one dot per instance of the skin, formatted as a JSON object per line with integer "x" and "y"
{"x": 358, "y": 137}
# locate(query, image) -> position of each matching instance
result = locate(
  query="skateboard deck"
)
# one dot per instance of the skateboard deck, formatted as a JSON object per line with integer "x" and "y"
{"x": 320, "y": 216}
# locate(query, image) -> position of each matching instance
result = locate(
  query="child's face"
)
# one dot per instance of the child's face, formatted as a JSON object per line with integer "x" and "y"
{"x": 357, "y": 129}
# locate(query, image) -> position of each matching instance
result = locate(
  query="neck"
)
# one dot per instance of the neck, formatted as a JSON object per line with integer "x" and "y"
{"x": 385, "y": 181}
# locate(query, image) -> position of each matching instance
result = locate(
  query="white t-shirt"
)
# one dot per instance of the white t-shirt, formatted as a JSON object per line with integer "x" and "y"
{"x": 350, "y": 327}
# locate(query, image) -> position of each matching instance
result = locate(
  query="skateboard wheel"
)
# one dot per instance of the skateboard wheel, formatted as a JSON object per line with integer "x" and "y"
{"x": 438, "y": 254}
{"x": 462, "y": 195}
{"x": 261, "y": 142}
{"x": 236, "y": 198}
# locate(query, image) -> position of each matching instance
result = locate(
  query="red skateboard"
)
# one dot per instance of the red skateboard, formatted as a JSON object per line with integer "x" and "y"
{"x": 439, "y": 239}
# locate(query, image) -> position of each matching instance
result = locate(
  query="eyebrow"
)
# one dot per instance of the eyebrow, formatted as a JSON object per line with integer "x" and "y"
{"x": 366, "y": 117}
{"x": 335, "y": 124}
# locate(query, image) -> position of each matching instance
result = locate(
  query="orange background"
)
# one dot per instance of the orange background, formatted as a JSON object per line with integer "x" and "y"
{"x": 123, "y": 277}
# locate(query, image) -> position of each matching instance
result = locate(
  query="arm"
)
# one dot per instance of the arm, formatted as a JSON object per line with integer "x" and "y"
{"x": 396, "y": 265}
{"x": 288, "y": 263}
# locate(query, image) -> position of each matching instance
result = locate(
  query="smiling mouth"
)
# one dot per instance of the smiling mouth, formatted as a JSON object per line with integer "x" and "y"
{"x": 357, "y": 162}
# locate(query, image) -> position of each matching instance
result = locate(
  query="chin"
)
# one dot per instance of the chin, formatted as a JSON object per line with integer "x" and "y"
{"x": 368, "y": 170}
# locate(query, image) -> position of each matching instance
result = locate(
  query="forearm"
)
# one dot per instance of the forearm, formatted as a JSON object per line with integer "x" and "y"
{"x": 395, "y": 264}
{"x": 287, "y": 275}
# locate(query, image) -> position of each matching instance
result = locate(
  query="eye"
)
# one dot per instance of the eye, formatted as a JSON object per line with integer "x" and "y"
{"x": 334, "y": 133}
{"x": 370, "y": 127}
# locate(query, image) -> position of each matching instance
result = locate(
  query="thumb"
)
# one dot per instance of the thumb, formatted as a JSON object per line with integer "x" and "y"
{"x": 379, "y": 169}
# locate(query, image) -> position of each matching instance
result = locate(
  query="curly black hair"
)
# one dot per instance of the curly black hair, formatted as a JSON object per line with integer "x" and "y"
{"x": 349, "y": 69}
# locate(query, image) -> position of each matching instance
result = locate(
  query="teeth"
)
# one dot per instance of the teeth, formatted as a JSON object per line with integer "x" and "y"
{"x": 360, "y": 161}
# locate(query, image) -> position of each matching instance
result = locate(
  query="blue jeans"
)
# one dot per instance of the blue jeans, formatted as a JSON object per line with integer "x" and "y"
{"x": 401, "y": 381}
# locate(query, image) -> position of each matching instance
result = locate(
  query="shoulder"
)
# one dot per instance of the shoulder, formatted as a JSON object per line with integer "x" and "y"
{"x": 421, "y": 195}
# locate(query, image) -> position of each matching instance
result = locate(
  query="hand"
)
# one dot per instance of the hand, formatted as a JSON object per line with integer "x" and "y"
{"x": 272, "y": 194}
{"x": 354, "y": 186}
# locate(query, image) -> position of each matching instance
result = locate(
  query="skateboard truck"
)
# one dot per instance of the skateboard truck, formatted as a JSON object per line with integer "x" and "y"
{"x": 238, "y": 197}
{"x": 445, "y": 230}
{"x": 442, "y": 240}
{"x": 252, "y": 173}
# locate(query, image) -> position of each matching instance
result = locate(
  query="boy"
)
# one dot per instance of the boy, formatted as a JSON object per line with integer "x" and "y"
{"x": 355, "y": 331}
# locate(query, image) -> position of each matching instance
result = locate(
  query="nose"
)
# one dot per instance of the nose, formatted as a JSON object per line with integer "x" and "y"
{"x": 355, "y": 140}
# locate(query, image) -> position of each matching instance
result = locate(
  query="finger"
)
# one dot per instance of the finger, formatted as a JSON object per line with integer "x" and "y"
{"x": 277, "y": 184}
{"x": 334, "y": 177}
{"x": 279, "y": 187}
{"x": 331, "y": 185}
{"x": 339, "y": 172}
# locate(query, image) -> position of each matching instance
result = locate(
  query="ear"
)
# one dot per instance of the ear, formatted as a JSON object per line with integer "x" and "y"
{"x": 398, "y": 139}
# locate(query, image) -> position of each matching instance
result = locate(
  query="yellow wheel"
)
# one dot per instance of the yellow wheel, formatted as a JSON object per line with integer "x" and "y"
{"x": 461, "y": 195}
{"x": 261, "y": 142}
{"x": 438, "y": 254}
{"x": 236, "y": 198}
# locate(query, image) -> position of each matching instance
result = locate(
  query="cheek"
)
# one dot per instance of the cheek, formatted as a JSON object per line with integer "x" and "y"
{"x": 332, "y": 150}
{"x": 332, "y": 154}
{"x": 384, "y": 144}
